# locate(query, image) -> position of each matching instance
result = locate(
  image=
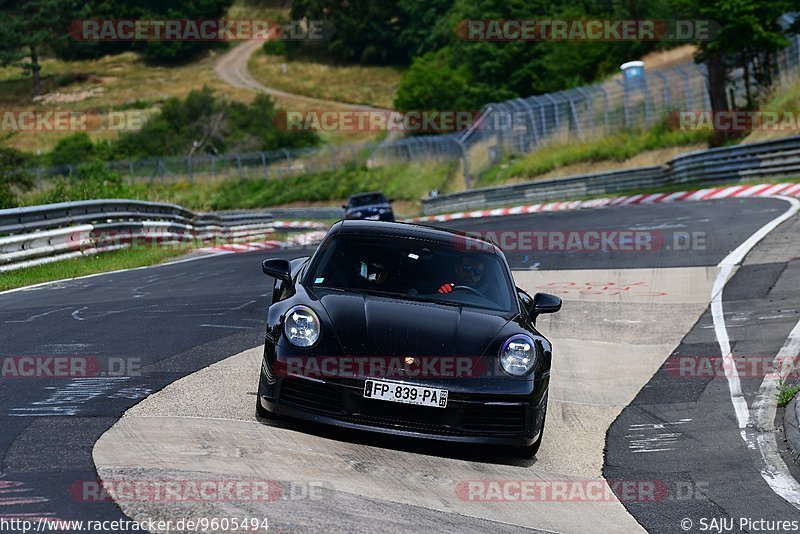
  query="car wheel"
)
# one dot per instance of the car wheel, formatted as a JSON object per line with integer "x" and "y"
{"x": 530, "y": 451}
{"x": 262, "y": 412}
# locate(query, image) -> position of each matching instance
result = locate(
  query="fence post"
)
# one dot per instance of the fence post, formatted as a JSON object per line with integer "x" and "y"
{"x": 288, "y": 161}
{"x": 605, "y": 107}
{"x": 531, "y": 120}
{"x": 589, "y": 107}
{"x": 465, "y": 164}
{"x": 575, "y": 117}
{"x": 706, "y": 93}
{"x": 687, "y": 92}
{"x": 264, "y": 166}
{"x": 189, "y": 163}
{"x": 664, "y": 88}
{"x": 555, "y": 110}
{"x": 625, "y": 104}
{"x": 239, "y": 164}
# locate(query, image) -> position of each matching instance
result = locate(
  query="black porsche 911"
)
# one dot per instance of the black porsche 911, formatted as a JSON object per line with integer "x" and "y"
{"x": 408, "y": 330}
{"x": 369, "y": 206}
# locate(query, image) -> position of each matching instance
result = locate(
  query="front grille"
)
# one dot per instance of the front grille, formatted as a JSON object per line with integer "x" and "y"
{"x": 499, "y": 418}
{"x": 460, "y": 418}
{"x": 312, "y": 395}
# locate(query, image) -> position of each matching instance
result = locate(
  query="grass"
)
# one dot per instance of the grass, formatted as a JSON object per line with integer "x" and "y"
{"x": 402, "y": 182}
{"x": 354, "y": 84}
{"x": 616, "y": 148}
{"x": 407, "y": 183}
{"x": 109, "y": 83}
{"x": 787, "y": 393}
{"x": 784, "y": 98}
{"x": 109, "y": 261}
{"x": 125, "y": 81}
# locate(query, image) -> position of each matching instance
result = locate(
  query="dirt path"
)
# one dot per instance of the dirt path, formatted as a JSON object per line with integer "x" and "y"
{"x": 232, "y": 69}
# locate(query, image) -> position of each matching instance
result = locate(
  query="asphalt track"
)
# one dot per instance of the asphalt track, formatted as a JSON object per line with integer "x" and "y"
{"x": 614, "y": 333}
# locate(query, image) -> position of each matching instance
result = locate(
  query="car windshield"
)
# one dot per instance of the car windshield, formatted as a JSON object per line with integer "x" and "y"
{"x": 365, "y": 200}
{"x": 413, "y": 269}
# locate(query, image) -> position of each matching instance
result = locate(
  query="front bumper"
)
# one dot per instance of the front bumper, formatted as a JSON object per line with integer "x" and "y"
{"x": 489, "y": 418}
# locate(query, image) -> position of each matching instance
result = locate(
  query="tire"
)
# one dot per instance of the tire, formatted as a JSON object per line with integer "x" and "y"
{"x": 262, "y": 412}
{"x": 530, "y": 451}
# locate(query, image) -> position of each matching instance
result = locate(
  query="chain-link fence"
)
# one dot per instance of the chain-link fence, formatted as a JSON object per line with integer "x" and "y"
{"x": 638, "y": 102}
{"x": 520, "y": 125}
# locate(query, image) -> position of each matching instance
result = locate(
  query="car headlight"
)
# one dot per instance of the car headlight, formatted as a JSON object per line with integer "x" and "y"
{"x": 301, "y": 326}
{"x": 518, "y": 355}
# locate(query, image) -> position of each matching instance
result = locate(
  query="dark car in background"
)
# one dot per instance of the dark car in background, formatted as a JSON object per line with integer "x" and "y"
{"x": 369, "y": 206}
{"x": 408, "y": 330}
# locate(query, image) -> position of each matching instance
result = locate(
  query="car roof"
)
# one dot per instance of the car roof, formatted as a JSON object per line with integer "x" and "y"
{"x": 367, "y": 194}
{"x": 418, "y": 231}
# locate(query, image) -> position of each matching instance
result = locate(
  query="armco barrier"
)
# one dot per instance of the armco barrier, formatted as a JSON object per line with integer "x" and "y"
{"x": 756, "y": 161}
{"x": 43, "y": 234}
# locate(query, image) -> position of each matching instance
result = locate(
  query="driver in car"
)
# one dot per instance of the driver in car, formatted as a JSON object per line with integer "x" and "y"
{"x": 469, "y": 272}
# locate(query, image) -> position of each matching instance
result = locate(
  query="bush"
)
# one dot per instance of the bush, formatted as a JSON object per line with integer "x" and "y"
{"x": 12, "y": 177}
{"x": 204, "y": 123}
{"x": 430, "y": 83}
{"x": 74, "y": 149}
{"x": 275, "y": 47}
{"x": 90, "y": 181}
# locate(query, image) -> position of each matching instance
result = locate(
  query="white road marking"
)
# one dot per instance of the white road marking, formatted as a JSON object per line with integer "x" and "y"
{"x": 774, "y": 470}
{"x": 763, "y": 418}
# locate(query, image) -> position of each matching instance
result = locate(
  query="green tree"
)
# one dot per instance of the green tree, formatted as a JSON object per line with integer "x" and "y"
{"x": 431, "y": 83}
{"x": 377, "y": 31}
{"x": 28, "y": 28}
{"x": 749, "y": 36}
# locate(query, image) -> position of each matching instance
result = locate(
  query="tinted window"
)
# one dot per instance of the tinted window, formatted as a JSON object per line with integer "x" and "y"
{"x": 367, "y": 199}
{"x": 414, "y": 269}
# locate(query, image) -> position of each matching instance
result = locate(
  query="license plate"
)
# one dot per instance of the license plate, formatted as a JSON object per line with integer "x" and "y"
{"x": 405, "y": 393}
{"x": 373, "y": 217}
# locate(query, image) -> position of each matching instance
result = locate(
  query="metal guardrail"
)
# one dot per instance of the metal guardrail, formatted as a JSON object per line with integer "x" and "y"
{"x": 43, "y": 234}
{"x": 769, "y": 159}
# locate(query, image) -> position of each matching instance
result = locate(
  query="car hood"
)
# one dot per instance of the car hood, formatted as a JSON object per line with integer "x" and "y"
{"x": 367, "y": 325}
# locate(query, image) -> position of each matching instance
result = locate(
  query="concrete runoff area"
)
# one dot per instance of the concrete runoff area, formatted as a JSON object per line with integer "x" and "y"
{"x": 615, "y": 330}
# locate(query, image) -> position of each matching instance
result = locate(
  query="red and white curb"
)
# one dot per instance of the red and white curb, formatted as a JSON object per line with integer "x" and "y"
{"x": 304, "y": 239}
{"x": 300, "y": 225}
{"x": 714, "y": 193}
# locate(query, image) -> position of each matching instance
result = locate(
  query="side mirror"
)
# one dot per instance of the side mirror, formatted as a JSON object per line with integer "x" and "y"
{"x": 545, "y": 303}
{"x": 390, "y": 200}
{"x": 344, "y": 207}
{"x": 277, "y": 268}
